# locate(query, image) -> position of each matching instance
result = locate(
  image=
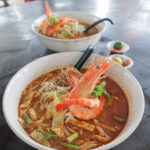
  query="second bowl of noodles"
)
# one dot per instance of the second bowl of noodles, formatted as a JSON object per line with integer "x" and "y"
{"x": 61, "y": 43}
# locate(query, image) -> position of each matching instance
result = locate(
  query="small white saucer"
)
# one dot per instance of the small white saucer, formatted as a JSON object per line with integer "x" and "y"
{"x": 110, "y": 45}
{"x": 122, "y": 56}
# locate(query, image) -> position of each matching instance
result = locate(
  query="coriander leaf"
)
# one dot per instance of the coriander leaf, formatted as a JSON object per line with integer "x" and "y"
{"x": 107, "y": 94}
{"x": 101, "y": 86}
{"x": 37, "y": 28}
{"x": 54, "y": 20}
{"x": 57, "y": 92}
{"x": 65, "y": 34}
{"x": 46, "y": 34}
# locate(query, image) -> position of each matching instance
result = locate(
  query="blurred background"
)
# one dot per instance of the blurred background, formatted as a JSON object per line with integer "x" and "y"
{"x": 4, "y": 3}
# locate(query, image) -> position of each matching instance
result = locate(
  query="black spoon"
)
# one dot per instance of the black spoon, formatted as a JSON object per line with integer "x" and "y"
{"x": 97, "y": 22}
{"x": 84, "y": 58}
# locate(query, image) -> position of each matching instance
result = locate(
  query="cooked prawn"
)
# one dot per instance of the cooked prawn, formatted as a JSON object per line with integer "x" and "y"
{"x": 93, "y": 103}
{"x": 48, "y": 12}
{"x": 80, "y": 102}
{"x": 60, "y": 23}
{"x": 46, "y": 22}
{"x": 86, "y": 113}
{"x": 47, "y": 26}
{"x": 43, "y": 27}
{"x": 88, "y": 81}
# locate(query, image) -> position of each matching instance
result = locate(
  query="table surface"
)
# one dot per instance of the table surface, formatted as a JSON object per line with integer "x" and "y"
{"x": 19, "y": 46}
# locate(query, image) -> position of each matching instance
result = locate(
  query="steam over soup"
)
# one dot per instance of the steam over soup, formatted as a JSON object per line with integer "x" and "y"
{"x": 56, "y": 111}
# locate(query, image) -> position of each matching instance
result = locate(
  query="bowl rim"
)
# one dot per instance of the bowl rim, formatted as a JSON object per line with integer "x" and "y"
{"x": 67, "y": 40}
{"x": 107, "y": 146}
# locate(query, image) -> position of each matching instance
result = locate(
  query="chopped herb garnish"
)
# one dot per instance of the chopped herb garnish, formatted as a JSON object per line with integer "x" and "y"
{"x": 57, "y": 92}
{"x": 37, "y": 28}
{"x": 48, "y": 136}
{"x": 120, "y": 119}
{"x": 27, "y": 118}
{"x": 107, "y": 95}
{"x": 72, "y": 137}
{"x": 68, "y": 23}
{"x": 99, "y": 90}
{"x": 70, "y": 145}
{"x": 42, "y": 131}
{"x": 54, "y": 20}
{"x": 97, "y": 94}
{"x": 101, "y": 86}
{"x": 65, "y": 34}
{"x": 46, "y": 34}
{"x": 44, "y": 83}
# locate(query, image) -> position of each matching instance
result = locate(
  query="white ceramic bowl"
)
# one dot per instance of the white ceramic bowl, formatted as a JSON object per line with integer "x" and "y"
{"x": 110, "y": 46}
{"x": 122, "y": 56}
{"x": 61, "y": 45}
{"x": 28, "y": 73}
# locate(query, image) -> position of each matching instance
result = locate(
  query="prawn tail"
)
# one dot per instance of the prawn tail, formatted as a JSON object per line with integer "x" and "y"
{"x": 47, "y": 9}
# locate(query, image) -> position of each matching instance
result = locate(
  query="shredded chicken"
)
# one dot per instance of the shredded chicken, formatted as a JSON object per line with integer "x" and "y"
{"x": 68, "y": 117}
{"x": 70, "y": 129}
{"x": 66, "y": 132}
{"x": 103, "y": 136}
{"x": 20, "y": 120}
{"x": 32, "y": 114}
{"x": 38, "y": 122}
{"x": 88, "y": 145}
{"x": 81, "y": 131}
{"x": 117, "y": 127}
{"x": 28, "y": 100}
{"x": 38, "y": 136}
{"x": 80, "y": 142}
{"x": 49, "y": 111}
{"x": 82, "y": 124}
{"x": 22, "y": 111}
{"x": 104, "y": 126}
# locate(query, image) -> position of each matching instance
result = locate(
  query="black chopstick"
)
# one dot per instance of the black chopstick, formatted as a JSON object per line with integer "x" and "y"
{"x": 97, "y": 22}
{"x": 83, "y": 58}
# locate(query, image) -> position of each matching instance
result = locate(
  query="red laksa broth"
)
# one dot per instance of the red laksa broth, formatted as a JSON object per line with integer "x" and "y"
{"x": 63, "y": 110}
